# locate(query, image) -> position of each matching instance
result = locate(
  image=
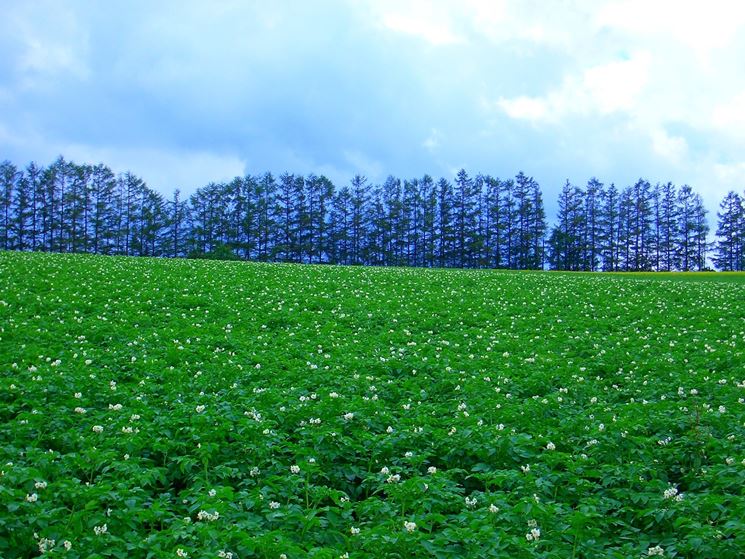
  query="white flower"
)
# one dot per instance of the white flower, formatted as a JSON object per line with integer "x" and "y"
{"x": 525, "y": 468}
{"x": 67, "y": 544}
{"x": 395, "y": 478}
{"x": 78, "y": 395}
{"x": 389, "y": 429}
{"x": 45, "y": 545}
{"x": 97, "y": 429}
{"x": 354, "y": 531}
{"x": 181, "y": 553}
{"x": 431, "y": 470}
{"x": 348, "y": 416}
{"x": 655, "y": 551}
{"x": 32, "y": 498}
{"x": 40, "y": 485}
{"x": 208, "y": 516}
{"x": 211, "y": 492}
{"x": 671, "y": 492}
{"x": 384, "y": 470}
{"x": 79, "y": 410}
{"x": 254, "y": 472}
{"x": 550, "y": 446}
{"x": 274, "y": 505}
{"x": 199, "y": 409}
{"x": 409, "y": 526}
{"x": 493, "y": 508}
{"x": 295, "y": 469}
{"x": 471, "y": 501}
{"x": 533, "y": 535}
{"x": 100, "y": 529}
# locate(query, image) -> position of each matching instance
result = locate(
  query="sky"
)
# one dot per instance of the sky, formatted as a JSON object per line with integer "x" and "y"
{"x": 186, "y": 92}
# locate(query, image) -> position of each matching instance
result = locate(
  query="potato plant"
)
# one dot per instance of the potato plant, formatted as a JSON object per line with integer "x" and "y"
{"x": 176, "y": 408}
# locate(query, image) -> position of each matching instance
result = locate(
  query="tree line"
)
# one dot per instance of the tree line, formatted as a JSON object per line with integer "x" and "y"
{"x": 476, "y": 221}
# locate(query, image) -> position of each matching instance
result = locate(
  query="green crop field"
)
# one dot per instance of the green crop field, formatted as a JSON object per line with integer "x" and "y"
{"x": 176, "y": 408}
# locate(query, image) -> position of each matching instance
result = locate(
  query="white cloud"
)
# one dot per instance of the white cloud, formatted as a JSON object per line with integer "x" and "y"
{"x": 616, "y": 86}
{"x": 432, "y": 22}
{"x": 602, "y": 89}
{"x": 525, "y": 108}
{"x": 729, "y": 116}
{"x": 700, "y": 26}
{"x": 673, "y": 148}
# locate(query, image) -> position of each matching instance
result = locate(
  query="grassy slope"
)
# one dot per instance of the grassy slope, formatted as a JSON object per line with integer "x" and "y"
{"x": 474, "y": 371}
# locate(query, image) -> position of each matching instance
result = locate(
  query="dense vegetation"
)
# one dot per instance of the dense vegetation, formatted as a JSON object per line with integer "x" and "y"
{"x": 472, "y": 222}
{"x": 189, "y": 408}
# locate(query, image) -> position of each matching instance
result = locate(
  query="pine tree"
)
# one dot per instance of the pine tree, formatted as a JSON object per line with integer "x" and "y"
{"x": 686, "y": 246}
{"x": 412, "y": 211}
{"x": 358, "y": 224}
{"x": 730, "y": 245}
{"x": 640, "y": 232}
{"x": 445, "y": 226}
{"x": 609, "y": 222}
{"x": 428, "y": 195}
{"x": 23, "y": 213}
{"x": 8, "y": 178}
{"x": 341, "y": 219}
{"x": 33, "y": 176}
{"x": 464, "y": 197}
{"x": 566, "y": 243}
{"x": 592, "y": 232}
{"x": 176, "y": 212}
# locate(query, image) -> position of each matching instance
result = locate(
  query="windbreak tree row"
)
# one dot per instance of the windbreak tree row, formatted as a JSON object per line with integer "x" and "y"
{"x": 470, "y": 222}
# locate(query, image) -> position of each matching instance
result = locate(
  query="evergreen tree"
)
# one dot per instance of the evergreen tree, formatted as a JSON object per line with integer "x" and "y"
{"x": 341, "y": 220}
{"x": 609, "y": 223}
{"x": 176, "y": 210}
{"x": 640, "y": 232}
{"x": 358, "y": 224}
{"x": 445, "y": 226}
{"x": 566, "y": 242}
{"x": 266, "y": 224}
{"x": 592, "y": 230}
{"x": 33, "y": 177}
{"x": 690, "y": 254}
{"x": 22, "y": 212}
{"x": 667, "y": 227}
{"x": 464, "y": 197}
{"x": 8, "y": 180}
{"x": 428, "y": 196}
{"x": 730, "y": 246}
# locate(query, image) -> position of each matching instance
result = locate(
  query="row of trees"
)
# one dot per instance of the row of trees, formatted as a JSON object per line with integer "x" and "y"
{"x": 641, "y": 227}
{"x": 472, "y": 221}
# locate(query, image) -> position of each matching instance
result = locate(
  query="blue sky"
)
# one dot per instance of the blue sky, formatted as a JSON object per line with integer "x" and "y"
{"x": 182, "y": 93}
